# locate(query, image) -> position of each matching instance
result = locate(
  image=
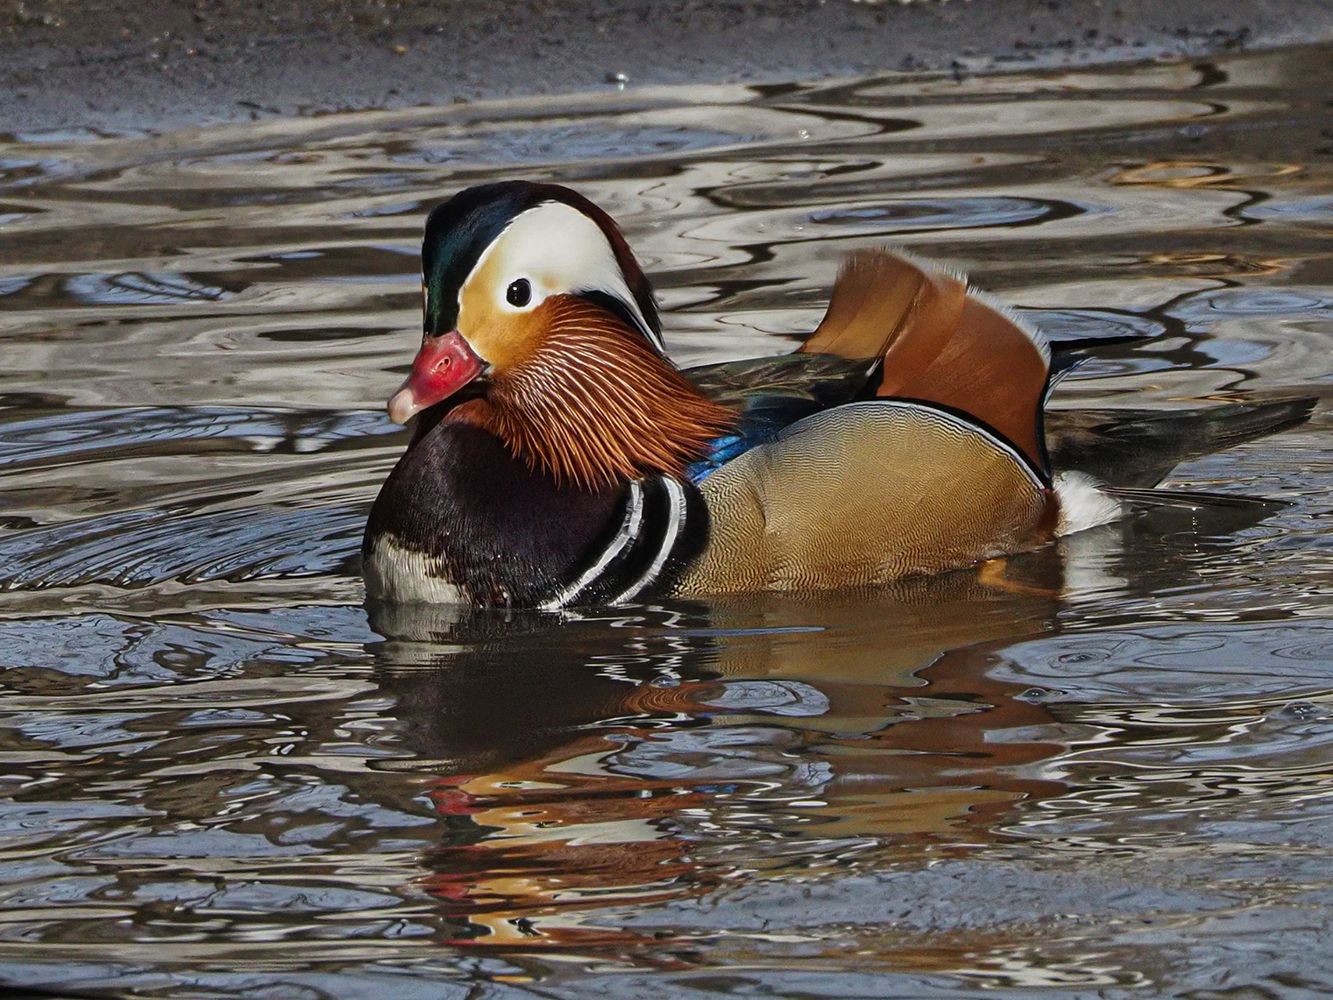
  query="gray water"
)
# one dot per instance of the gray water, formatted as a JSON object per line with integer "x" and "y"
{"x": 221, "y": 777}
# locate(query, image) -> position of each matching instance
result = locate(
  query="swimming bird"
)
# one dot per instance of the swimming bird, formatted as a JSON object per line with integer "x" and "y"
{"x": 559, "y": 458}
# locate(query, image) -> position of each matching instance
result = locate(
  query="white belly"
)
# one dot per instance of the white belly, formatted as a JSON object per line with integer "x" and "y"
{"x": 399, "y": 575}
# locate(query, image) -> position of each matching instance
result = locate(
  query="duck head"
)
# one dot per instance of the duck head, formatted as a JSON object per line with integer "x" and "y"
{"x": 533, "y": 302}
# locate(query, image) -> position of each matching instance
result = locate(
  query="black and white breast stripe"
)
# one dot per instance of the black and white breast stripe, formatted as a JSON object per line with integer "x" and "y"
{"x": 662, "y": 527}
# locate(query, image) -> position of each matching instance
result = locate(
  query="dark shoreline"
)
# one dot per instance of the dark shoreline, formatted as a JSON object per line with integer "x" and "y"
{"x": 110, "y": 64}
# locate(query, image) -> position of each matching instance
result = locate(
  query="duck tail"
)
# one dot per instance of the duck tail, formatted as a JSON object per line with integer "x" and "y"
{"x": 1138, "y": 448}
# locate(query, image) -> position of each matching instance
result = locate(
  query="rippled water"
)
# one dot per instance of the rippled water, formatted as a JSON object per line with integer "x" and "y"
{"x": 219, "y": 776}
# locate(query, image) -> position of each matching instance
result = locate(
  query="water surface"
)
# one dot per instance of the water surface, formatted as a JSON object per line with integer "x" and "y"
{"x": 221, "y": 776}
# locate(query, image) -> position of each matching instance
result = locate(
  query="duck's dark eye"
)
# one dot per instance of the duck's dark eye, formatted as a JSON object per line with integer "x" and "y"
{"x": 519, "y": 293}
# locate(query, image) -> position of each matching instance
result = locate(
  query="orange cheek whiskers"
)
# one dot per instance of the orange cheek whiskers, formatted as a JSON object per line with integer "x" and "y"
{"x": 594, "y": 404}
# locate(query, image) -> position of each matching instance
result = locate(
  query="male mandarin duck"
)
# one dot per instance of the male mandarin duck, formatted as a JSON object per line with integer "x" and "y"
{"x": 559, "y": 458}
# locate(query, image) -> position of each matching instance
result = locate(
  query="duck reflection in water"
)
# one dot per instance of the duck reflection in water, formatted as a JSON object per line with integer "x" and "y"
{"x": 586, "y": 763}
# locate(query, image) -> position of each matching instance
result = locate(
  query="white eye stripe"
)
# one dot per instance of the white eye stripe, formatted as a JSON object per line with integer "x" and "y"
{"x": 560, "y": 251}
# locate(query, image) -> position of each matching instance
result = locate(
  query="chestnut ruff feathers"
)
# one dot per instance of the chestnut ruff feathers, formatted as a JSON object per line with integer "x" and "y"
{"x": 595, "y": 403}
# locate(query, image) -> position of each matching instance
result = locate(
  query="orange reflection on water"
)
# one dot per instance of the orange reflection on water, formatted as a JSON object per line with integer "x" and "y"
{"x": 1204, "y": 173}
{"x": 797, "y": 749}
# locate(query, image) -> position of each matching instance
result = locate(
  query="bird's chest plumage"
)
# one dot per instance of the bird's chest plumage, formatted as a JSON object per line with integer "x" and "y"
{"x": 460, "y": 520}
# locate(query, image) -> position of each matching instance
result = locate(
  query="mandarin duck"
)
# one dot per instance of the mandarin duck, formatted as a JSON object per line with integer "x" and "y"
{"x": 559, "y": 458}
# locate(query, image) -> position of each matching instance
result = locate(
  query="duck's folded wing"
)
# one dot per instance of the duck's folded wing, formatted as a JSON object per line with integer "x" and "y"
{"x": 866, "y": 493}
{"x": 821, "y": 378}
{"x": 770, "y": 394}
